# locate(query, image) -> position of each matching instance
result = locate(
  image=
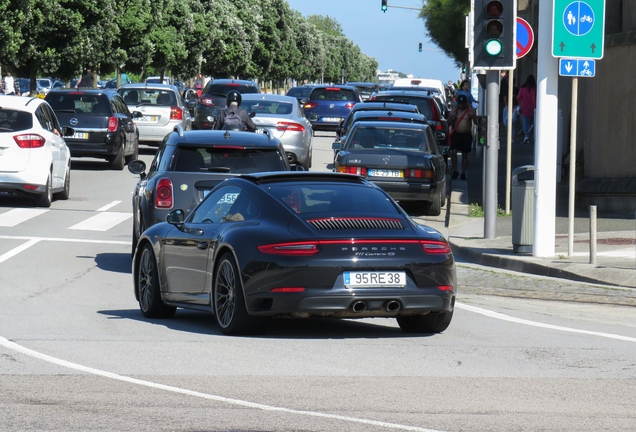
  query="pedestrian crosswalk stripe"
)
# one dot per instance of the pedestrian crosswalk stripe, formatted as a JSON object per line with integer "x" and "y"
{"x": 102, "y": 221}
{"x": 108, "y": 206}
{"x": 19, "y": 215}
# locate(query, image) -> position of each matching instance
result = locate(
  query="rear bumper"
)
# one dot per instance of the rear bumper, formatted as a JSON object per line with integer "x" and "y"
{"x": 80, "y": 148}
{"x": 403, "y": 191}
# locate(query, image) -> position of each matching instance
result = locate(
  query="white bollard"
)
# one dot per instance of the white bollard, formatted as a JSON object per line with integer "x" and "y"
{"x": 592, "y": 234}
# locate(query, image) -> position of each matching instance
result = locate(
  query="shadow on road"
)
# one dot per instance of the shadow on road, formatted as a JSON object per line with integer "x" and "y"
{"x": 114, "y": 262}
{"x": 309, "y": 328}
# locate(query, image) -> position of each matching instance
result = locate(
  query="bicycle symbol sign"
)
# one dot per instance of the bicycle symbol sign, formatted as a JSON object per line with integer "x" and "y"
{"x": 578, "y": 18}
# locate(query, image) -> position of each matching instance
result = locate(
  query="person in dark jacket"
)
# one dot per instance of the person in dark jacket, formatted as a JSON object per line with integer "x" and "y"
{"x": 233, "y": 117}
{"x": 86, "y": 81}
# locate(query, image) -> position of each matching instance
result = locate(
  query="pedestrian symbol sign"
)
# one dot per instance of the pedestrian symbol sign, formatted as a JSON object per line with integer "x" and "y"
{"x": 578, "y": 28}
{"x": 577, "y": 67}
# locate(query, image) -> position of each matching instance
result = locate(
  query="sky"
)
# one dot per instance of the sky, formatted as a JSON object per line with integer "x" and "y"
{"x": 392, "y": 37}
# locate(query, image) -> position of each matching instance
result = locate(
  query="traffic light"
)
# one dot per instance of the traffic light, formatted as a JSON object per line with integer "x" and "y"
{"x": 494, "y": 27}
{"x": 420, "y": 46}
{"x": 482, "y": 130}
{"x": 384, "y": 6}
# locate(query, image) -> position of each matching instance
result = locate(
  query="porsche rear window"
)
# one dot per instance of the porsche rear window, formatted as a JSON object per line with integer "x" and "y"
{"x": 227, "y": 160}
{"x": 333, "y": 94}
{"x": 14, "y": 121}
{"x": 333, "y": 198}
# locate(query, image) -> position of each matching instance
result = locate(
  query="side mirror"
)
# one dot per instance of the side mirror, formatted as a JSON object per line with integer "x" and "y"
{"x": 252, "y": 114}
{"x": 175, "y": 217}
{"x": 137, "y": 167}
{"x": 336, "y": 145}
{"x": 137, "y": 114}
{"x": 440, "y": 136}
{"x": 68, "y": 131}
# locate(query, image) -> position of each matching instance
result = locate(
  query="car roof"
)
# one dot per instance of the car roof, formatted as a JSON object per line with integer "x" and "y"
{"x": 153, "y": 86}
{"x": 268, "y": 97}
{"x": 389, "y": 113}
{"x": 292, "y": 176}
{"x": 95, "y": 92}
{"x": 362, "y": 84}
{"x": 231, "y": 80}
{"x": 371, "y": 106}
{"x": 222, "y": 137}
{"x": 410, "y": 93}
{"x": 28, "y": 104}
{"x": 342, "y": 86}
{"x": 389, "y": 125}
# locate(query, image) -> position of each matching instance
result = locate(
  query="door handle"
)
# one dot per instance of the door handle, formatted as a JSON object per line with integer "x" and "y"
{"x": 202, "y": 245}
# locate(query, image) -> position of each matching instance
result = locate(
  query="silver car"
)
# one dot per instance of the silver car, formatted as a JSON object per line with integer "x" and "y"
{"x": 285, "y": 119}
{"x": 162, "y": 107}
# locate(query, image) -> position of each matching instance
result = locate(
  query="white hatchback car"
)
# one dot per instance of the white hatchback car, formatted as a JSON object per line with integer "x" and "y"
{"x": 34, "y": 158}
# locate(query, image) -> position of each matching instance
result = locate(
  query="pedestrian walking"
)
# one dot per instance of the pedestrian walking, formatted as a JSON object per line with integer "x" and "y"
{"x": 465, "y": 90}
{"x": 198, "y": 84}
{"x": 10, "y": 85}
{"x": 461, "y": 118}
{"x": 527, "y": 99}
{"x": 86, "y": 81}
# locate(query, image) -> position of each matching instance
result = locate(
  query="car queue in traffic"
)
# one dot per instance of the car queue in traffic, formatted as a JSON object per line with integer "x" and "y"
{"x": 234, "y": 216}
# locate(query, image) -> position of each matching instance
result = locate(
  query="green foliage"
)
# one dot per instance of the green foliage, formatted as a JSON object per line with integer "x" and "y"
{"x": 475, "y": 210}
{"x": 445, "y": 22}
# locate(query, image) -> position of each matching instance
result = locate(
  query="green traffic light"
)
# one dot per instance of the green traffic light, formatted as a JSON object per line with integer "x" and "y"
{"x": 494, "y": 47}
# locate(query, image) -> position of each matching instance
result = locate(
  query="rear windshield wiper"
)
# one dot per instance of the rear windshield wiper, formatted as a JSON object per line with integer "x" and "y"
{"x": 218, "y": 169}
{"x": 72, "y": 111}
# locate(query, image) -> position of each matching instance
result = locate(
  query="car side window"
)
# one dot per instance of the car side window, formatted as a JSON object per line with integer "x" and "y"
{"x": 44, "y": 119}
{"x": 54, "y": 122}
{"x": 122, "y": 105}
{"x": 216, "y": 206}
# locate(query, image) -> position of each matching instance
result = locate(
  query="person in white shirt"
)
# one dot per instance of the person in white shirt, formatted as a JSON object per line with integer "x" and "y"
{"x": 11, "y": 86}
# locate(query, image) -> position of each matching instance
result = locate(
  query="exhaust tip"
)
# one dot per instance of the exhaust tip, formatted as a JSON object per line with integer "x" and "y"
{"x": 393, "y": 306}
{"x": 359, "y": 307}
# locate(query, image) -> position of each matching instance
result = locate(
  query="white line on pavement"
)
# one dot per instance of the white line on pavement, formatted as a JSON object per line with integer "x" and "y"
{"x": 102, "y": 221}
{"x": 503, "y": 317}
{"x": 19, "y": 348}
{"x": 16, "y": 216}
{"x": 13, "y": 252}
{"x": 67, "y": 240}
{"x": 108, "y": 206}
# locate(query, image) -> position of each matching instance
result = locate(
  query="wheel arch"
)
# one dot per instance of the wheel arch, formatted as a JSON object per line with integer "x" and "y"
{"x": 140, "y": 244}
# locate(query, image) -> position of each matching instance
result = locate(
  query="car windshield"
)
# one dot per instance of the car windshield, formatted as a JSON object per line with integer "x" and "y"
{"x": 267, "y": 107}
{"x": 382, "y": 138}
{"x": 148, "y": 96}
{"x": 423, "y": 104}
{"x": 229, "y": 160}
{"x": 13, "y": 120}
{"x": 333, "y": 94}
{"x": 78, "y": 102}
{"x": 224, "y": 89}
{"x": 301, "y": 92}
{"x": 329, "y": 198}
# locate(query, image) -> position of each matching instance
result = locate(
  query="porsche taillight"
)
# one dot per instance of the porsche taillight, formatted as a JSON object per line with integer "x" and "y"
{"x": 29, "y": 141}
{"x": 113, "y": 124}
{"x": 163, "y": 194}
{"x": 293, "y": 248}
{"x": 436, "y": 247}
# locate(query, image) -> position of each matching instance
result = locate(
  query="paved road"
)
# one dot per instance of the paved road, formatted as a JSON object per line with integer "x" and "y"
{"x": 76, "y": 354}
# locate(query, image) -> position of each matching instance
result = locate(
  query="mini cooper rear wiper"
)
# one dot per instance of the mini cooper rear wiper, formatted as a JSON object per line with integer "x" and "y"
{"x": 218, "y": 169}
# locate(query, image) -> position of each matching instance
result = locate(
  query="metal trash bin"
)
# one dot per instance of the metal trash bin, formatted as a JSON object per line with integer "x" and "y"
{"x": 523, "y": 209}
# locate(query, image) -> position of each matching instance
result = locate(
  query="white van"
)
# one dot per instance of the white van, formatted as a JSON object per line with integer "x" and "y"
{"x": 157, "y": 80}
{"x": 435, "y": 84}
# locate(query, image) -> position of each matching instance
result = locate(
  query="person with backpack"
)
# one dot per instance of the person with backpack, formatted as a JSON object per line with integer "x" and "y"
{"x": 233, "y": 117}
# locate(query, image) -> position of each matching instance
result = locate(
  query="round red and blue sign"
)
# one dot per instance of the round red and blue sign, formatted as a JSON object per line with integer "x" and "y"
{"x": 525, "y": 37}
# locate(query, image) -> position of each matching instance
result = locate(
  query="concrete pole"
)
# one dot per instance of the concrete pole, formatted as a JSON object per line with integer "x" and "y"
{"x": 492, "y": 157}
{"x": 545, "y": 129}
{"x": 573, "y": 120}
{"x": 509, "y": 139}
{"x": 592, "y": 234}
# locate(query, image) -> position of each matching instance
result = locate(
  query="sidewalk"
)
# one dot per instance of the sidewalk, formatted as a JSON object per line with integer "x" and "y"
{"x": 616, "y": 244}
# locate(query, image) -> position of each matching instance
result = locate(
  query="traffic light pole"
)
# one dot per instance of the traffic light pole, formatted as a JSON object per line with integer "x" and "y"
{"x": 492, "y": 154}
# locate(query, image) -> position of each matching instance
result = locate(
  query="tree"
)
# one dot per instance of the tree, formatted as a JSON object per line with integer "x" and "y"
{"x": 445, "y": 22}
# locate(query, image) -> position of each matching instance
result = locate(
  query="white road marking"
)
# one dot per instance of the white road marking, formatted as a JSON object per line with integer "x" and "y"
{"x": 66, "y": 240}
{"x": 108, "y": 206}
{"x": 16, "y": 216}
{"x": 26, "y": 351}
{"x": 504, "y": 317}
{"x": 13, "y": 252}
{"x": 619, "y": 253}
{"x": 102, "y": 221}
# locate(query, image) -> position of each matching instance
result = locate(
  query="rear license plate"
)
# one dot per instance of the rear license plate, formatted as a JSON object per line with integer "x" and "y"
{"x": 385, "y": 173}
{"x": 331, "y": 119}
{"x": 148, "y": 118}
{"x": 375, "y": 279}
{"x": 79, "y": 135}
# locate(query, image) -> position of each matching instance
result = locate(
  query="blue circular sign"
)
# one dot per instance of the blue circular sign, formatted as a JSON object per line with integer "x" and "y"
{"x": 578, "y": 18}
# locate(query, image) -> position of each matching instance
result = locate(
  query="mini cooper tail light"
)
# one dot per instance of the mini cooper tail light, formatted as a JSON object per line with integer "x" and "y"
{"x": 435, "y": 247}
{"x": 294, "y": 248}
{"x": 113, "y": 124}
{"x": 163, "y": 194}
{"x": 287, "y": 290}
{"x": 289, "y": 126}
{"x": 310, "y": 105}
{"x": 362, "y": 171}
{"x": 206, "y": 101}
{"x": 28, "y": 141}
{"x": 176, "y": 113}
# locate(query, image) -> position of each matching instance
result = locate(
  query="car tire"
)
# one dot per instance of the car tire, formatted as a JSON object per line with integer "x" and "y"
{"x": 148, "y": 287}
{"x": 433, "y": 322}
{"x": 434, "y": 208}
{"x": 307, "y": 163}
{"x": 66, "y": 192}
{"x": 119, "y": 161}
{"x": 228, "y": 301}
{"x": 45, "y": 199}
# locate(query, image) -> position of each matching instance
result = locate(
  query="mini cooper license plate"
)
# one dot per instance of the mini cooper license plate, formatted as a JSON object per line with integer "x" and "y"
{"x": 385, "y": 173}
{"x": 374, "y": 279}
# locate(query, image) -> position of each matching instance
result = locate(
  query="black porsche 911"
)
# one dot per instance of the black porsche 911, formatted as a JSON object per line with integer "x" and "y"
{"x": 402, "y": 158}
{"x": 296, "y": 244}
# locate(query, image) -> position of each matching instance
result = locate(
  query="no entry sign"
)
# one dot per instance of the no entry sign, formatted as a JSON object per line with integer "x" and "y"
{"x": 525, "y": 37}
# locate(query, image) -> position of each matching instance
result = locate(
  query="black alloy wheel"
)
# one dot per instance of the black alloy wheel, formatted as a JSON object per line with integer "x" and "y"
{"x": 433, "y": 322}
{"x": 148, "y": 288}
{"x": 228, "y": 301}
